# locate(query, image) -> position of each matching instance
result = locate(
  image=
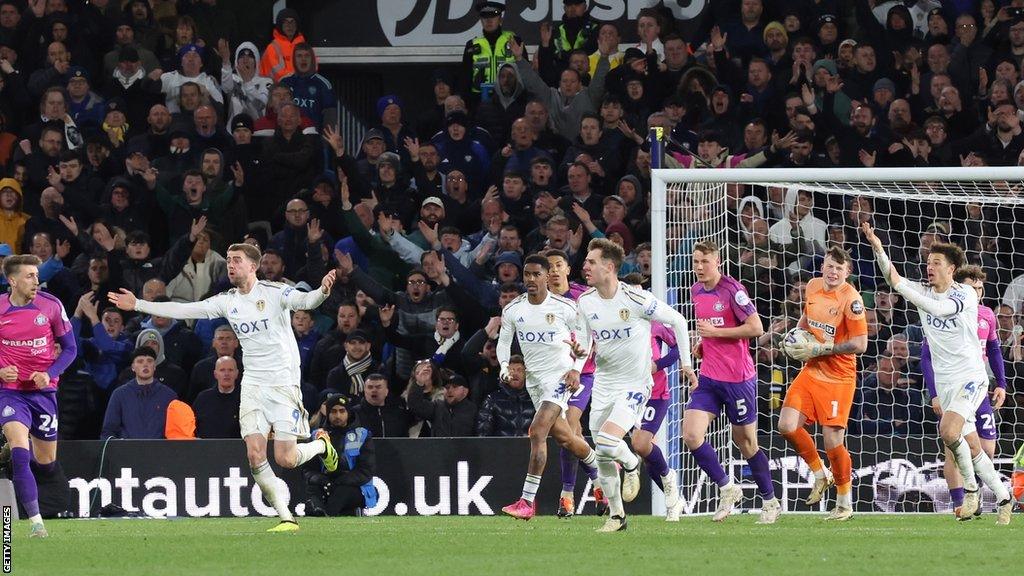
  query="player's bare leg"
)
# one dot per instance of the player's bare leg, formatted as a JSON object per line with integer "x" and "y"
{"x": 792, "y": 424}
{"x": 745, "y": 438}
{"x": 24, "y": 481}
{"x": 986, "y": 471}
{"x": 951, "y": 427}
{"x": 525, "y": 507}
{"x": 273, "y": 487}
{"x": 842, "y": 468}
{"x": 611, "y": 449}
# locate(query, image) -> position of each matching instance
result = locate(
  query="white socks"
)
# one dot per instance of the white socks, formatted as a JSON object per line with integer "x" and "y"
{"x": 268, "y": 483}
{"x": 962, "y": 454}
{"x": 987, "y": 472}
{"x": 530, "y": 487}
{"x": 309, "y": 450}
{"x": 608, "y": 476}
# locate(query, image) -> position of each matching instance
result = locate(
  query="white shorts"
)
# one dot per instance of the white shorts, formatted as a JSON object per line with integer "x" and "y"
{"x": 554, "y": 392}
{"x": 963, "y": 398}
{"x": 623, "y": 408}
{"x": 277, "y": 408}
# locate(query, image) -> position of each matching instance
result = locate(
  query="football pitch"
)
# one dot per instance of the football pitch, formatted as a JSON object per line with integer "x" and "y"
{"x": 797, "y": 544}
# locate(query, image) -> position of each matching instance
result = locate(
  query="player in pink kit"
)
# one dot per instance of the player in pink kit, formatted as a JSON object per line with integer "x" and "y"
{"x": 642, "y": 439}
{"x": 32, "y": 326}
{"x": 726, "y": 320}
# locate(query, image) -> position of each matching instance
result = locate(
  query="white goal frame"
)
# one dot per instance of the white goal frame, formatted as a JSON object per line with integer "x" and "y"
{"x": 662, "y": 178}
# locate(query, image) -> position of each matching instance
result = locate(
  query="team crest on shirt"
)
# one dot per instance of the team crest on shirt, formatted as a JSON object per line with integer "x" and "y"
{"x": 40, "y": 320}
{"x": 719, "y": 306}
{"x": 832, "y": 311}
{"x": 260, "y": 305}
{"x": 624, "y": 314}
{"x": 550, "y": 318}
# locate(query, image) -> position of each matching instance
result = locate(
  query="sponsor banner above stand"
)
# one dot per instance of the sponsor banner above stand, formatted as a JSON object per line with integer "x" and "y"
{"x": 421, "y": 31}
{"x": 422, "y": 477}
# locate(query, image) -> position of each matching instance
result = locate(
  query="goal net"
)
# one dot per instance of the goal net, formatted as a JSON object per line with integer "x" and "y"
{"x": 773, "y": 226}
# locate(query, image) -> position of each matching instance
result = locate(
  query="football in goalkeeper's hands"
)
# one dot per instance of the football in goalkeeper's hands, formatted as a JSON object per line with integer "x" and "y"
{"x": 794, "y": 337}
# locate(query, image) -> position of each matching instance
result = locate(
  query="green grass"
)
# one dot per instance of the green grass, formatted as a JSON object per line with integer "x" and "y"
{"x": 454, "y": 546}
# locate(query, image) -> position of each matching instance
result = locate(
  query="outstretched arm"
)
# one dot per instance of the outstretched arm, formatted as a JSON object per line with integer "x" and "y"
{"x": 204, "y": 309}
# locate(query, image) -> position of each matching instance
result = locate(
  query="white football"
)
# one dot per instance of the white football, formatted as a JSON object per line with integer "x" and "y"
{"x": 796, "y": 336}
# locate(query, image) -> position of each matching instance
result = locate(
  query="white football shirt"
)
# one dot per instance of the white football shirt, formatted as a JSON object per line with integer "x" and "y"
{"x": 260, "y": 319}
{"x": 620, "y": 328}
{"x": 542, "y": 330}
{"x": 953, "y": 338}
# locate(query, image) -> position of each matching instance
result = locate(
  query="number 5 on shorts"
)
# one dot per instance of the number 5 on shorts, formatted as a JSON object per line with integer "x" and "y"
{"x": 741, "y": 407}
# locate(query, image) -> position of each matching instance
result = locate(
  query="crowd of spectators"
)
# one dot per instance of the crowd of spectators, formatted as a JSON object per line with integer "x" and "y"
{"x": 139, "y": 139}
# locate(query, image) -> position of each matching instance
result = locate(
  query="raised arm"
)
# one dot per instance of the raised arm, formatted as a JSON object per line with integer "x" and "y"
{"x": 913, "y": 293}
{"x": 504, "y": 349}
{"x": 298, "y": 300}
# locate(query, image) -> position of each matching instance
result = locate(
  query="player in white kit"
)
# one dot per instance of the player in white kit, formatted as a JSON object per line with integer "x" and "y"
{"x": 949, "y": 316}
{"x": 259, "y": 313}
{"x": 545, "y": 325}
{"x": 618, "y": 319}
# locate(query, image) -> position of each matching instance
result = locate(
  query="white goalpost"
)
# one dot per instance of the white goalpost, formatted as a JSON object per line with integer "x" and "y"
{"x": 772, "y": 241}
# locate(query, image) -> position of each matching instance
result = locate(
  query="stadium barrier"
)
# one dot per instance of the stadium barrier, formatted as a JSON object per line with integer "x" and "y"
{"x": 423, "y": 477}
{"x": 467, "y": 476}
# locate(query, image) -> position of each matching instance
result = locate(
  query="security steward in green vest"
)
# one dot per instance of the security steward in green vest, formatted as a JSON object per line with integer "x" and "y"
{"x": 577, "y": 31}
{"x": 487, "y": 52}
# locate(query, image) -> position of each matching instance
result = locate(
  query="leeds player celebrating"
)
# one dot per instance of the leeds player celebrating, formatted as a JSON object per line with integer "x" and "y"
{"x": 545, "y": 325}
{"x": 823, "y": 391}
{"x": 726, "y": 320}
{"x": 618, "y": 318}
{"x": 258, "y": 312}
{"x": 32, "y": 324}
{"x": 949, "y": 316}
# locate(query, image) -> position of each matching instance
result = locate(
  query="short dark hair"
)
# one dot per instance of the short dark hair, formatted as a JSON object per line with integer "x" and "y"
{"x": 510, "y": 287}
{"x": 538, "y": 260}
{"x": 449, "y": 230}
{"x": 69, "y": 155}
{"x": 143, "y": 351}
{"x": 953, "y": 253}
{"x": 13, "y": 264}
{"x": 447, "y": 308}
{"x": 517, "y": 359}
{"x": 970, "y": 272}
{"x": 634, "y": 278}
{"x": 556, "y": 252}
{"x": 376, "y": 376}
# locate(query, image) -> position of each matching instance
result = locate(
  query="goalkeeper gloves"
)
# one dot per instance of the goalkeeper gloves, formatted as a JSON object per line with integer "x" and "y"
{"x": 807, "y": 350}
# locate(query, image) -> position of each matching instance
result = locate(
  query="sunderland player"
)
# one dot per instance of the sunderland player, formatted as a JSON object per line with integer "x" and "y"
{"x": 726, "y": 320}
{"x": 545, "y": 325}
{"x": 618, "y": 319}
{"x": 949, "y": 316}
{"x": 655, "y": 410}
{"x": 823, "y": 391}
{"x": 32, "y": 325}
{"x": 259, "y": 313}
{"x": 558, "y": 283}
{"x": 974, "y": 277}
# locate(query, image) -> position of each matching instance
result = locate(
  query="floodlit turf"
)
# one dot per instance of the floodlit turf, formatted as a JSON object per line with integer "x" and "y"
{"x": 798, "y": 544}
